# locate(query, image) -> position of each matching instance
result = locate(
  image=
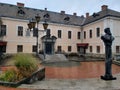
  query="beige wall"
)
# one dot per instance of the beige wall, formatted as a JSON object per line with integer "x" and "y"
{"x": 116, "y": 32}
{"x": 64, "y": 42}
{"x": 13, "y": 40}
{"x": 28, "y": 41}
{"x": 94, "y": 41}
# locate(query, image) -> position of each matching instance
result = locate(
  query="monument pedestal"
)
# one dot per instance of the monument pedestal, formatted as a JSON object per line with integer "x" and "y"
{"x": 108, "y": 78}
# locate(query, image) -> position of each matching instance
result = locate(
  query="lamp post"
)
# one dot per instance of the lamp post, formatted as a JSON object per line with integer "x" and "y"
{"x": 32, "y": 24}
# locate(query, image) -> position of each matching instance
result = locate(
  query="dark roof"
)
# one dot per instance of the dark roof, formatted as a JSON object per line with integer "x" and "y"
{"x": 13, "y": 11}
{"x": 100, "y": 15}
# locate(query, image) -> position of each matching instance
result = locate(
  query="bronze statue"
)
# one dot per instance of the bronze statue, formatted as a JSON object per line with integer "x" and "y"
{"x": 108, "y": 39}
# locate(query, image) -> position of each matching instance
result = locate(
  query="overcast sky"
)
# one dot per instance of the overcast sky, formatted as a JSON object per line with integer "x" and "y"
{"x": 69, "y": 6}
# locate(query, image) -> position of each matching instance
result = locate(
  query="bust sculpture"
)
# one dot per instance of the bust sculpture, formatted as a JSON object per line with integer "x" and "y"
{"x": 108, "y": 39}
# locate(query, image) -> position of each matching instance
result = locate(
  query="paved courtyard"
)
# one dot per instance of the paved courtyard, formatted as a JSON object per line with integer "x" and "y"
{"x": 82, "y": 84}
{"x": 74, "y": 76}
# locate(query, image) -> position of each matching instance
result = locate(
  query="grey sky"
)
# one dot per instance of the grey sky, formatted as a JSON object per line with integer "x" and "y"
{"x": 69, "y": 6}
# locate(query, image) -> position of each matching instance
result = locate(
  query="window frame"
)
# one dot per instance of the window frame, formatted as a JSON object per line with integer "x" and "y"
{"x": 90, "y": 33}
{"x": 97, "y": 49}
{"x": 59, "y": 48}
{"x": 19, "y": 48}
{"x": 84, "y": 34}
{"x": 34, "y": 48}
{"x": 59, "y": 33}
{"x": 69, "y": 34}
{"x": 90, "y": 49}
{"x": 69, "y": 48}
{"x": 20, "y": 31}
{"x": 3, "y": 30}
{"x": 117, "y": 49}
{"x": 97, "y": 32}
{"x": 79, "y": 35}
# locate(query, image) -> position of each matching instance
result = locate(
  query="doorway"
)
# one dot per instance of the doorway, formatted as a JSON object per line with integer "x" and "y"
{"x": 48, "y": 48}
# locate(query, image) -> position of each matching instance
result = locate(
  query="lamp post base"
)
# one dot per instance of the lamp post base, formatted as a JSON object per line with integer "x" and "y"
{"x": 108, "y": 78}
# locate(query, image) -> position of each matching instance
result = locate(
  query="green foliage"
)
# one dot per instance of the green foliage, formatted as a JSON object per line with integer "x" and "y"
{"x": 9, "y": 75}
{"x": 26, "y": 64}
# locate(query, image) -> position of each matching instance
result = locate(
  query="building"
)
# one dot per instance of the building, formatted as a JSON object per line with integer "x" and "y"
{"x": 66, "y": 33}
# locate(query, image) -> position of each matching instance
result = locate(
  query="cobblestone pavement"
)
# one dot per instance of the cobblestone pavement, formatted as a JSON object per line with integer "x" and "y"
{"x": 82, "y": 84}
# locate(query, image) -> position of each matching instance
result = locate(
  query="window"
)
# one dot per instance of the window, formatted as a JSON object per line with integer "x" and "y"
{"x": 3, "y": 49}
{"x": 3, "y": 30}
{"x": 81, "y": 50}
{"x": 59, "y": 49}
{"x": 34, "y": 48}
{"x": 35, "y": 32}
{"x": 84, "y": 34}
{"x": 59, "y": 33}
{"x": 78, "y": 48}
{"x": 90, "y": 48}
{"x": 21, "y": 12}
{"x": 69, "y": 34}
{"x": 117, "y": 49}
{"x": 79, "y": 35}
{"x": 19, "y": 48}
{"x": 20, "y": 31}
{"x": 69, "y": 48}
{"x": 90, "y": 33}
{"x": 98, "y": 49}
{"x": 98, "y": 32}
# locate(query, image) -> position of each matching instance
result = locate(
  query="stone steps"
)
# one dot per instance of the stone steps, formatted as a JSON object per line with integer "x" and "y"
{"x": 55, "y": 58}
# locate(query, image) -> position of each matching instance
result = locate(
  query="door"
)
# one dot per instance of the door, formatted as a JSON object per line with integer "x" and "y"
{"x": 81, "y": 50}
{"x": 48, "y": 48}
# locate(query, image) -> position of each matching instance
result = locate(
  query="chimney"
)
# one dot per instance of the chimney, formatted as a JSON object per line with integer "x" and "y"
{"x": 75, "y": 14}
{"x": 62, "y": 12}
{"x": 104, "y": 7}
{"x": 45, "y": 9}
{"x": 20, "y": 4}
{"x": 87, "y": 15}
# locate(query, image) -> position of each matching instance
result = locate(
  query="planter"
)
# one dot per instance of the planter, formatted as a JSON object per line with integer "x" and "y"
{"x": 37, "y": 75}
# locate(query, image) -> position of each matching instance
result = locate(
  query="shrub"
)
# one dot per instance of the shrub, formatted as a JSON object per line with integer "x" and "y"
{"x": 73, "y": 54}
{"x": 25, "y": 64}
{"x": 9, "y": 75}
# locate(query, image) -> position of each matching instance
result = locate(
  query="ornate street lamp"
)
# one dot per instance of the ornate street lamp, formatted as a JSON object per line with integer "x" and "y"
{"x": 37, "y": 18}
{"x": 29, "y": 26}
{"x": 45, "y": 25}
{"x": 32, "y": 24}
